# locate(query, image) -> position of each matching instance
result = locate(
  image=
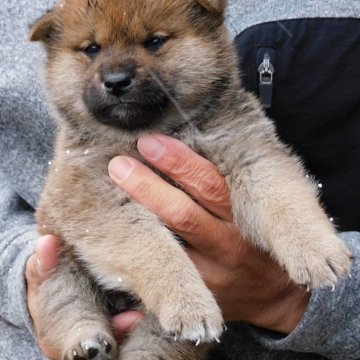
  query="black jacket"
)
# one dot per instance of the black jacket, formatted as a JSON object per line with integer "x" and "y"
{"x": 314, "y": 99}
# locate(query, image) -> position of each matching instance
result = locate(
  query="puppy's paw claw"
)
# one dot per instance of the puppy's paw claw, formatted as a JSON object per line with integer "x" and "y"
{"x": 77, "y": 357}
{"x": 108, "y": 346}
{"x": 197, "y": 320}
{"x": 323, "y": 264}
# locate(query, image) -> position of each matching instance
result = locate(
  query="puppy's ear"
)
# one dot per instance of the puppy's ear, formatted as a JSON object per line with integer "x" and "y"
{"x": 44, "y": 29}
{"x": 215, "y": 6}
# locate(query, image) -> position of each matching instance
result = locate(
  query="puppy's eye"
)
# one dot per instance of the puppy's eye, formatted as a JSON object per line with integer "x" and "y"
{"x": 155, "y": 43}
{"x": 92, "y": 50}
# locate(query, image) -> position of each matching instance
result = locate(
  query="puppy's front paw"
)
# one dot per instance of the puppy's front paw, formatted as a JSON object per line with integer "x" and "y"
{"x": 190, "y": 317}
{"x": 321, "y": 263}
{"x": 91, "y": 345}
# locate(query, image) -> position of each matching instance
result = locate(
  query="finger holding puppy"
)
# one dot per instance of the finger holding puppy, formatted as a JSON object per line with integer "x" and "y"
{"x": 195, "y": 174}
{"x": 177, "y": 209}
{"x": 38, "y": 269}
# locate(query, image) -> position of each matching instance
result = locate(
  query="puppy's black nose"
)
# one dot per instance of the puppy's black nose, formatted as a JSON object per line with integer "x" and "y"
{"x": 118, "y": 83}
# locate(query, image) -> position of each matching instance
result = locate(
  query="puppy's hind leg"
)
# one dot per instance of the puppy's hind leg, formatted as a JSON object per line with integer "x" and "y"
{"x": 71, "y": 319}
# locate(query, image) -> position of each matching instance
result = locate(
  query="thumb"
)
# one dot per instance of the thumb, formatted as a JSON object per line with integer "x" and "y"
{"x": 43, "y": 261}
{"x": 124, "y": 323}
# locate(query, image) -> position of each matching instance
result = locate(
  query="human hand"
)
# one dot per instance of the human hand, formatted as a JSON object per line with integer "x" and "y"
{"x": 247, "y": 283}
{"x": 39, "y": 267}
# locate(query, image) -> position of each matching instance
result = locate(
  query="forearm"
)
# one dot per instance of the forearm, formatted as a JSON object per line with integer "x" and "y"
{"x": 330, "y": 326}
{"x": 17, "y": 243}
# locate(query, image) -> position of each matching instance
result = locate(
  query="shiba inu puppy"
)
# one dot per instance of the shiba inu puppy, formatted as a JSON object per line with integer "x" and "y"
{"x": 117, "y": 69}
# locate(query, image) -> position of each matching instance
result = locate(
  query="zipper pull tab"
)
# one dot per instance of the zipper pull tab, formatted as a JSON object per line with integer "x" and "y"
{"x": 266, "y": 71}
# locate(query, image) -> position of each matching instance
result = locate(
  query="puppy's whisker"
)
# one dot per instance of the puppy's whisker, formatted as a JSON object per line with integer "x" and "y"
{"x": 170, "y": 97}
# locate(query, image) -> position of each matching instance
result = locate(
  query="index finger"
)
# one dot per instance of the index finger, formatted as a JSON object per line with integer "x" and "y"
{"x": 195, "y": 174}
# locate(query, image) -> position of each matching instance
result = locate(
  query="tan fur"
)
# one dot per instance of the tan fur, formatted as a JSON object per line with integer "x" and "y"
{"x": 117, "y": 244}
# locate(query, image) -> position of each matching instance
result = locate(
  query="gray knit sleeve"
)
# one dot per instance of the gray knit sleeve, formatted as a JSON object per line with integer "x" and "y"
{"x": 17, "y": 242}
{"x": 331, "y": 324}
{"x": 26, "y": 135}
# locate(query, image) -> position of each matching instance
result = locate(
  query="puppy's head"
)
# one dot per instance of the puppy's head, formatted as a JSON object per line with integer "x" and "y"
{"x": 135, "y": 64}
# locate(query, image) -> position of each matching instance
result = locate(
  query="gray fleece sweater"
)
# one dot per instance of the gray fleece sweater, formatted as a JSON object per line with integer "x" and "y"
{"x": 331, "y": 325}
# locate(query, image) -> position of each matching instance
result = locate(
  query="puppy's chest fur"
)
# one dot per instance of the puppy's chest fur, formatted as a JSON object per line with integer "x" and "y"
{"x": 242, "y": 122}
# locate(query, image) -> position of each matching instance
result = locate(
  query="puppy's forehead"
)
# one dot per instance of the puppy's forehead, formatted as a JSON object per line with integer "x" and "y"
{"x": 123, "y": 19}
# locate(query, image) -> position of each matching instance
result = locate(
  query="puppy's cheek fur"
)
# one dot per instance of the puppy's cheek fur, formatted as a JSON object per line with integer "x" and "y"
{"x": 191, "y": 82}
{"x": 66, "y": 80}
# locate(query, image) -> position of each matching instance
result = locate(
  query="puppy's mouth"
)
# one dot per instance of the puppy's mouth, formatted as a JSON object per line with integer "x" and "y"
{"x": 131, "y": 115}
{"x": 138, "y": 105}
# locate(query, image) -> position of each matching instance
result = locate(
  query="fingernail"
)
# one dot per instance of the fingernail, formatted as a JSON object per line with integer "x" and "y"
{"x": 120, "y": 168}
{"x": 38, "y": 253}
{"x": 38, "y": 264}
{"x": 151, "y": 147}
{"x": 134, "y": 325}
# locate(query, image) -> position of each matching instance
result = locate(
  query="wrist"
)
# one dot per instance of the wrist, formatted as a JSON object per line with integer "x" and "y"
{"x": 289, "y": 310}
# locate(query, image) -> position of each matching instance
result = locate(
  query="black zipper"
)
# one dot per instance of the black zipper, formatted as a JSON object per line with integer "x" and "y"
{"x": 266, "y": 70}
